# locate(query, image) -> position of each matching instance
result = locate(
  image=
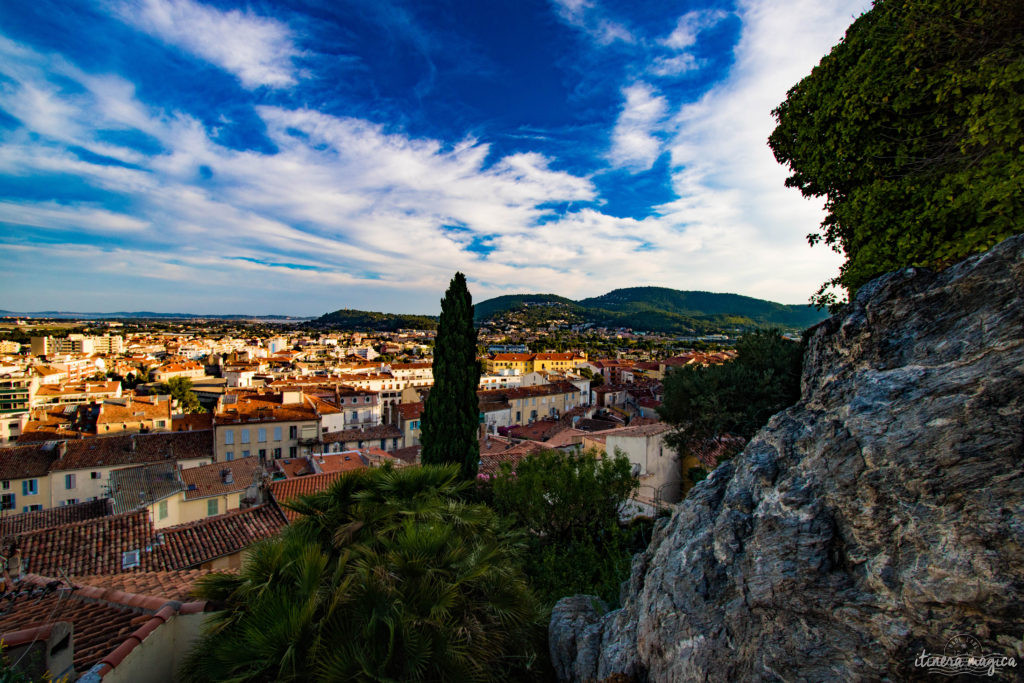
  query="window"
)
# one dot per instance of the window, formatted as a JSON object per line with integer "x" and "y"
{"x": 69, "y": 481}
{"x": 31, "y": 508}
{"x": 277, "y": 433}
{"x": 71, "y": 501}
{"x": 383, "y": 444}
{"x": 130, "y": 559}
{"x": 161, "y": 509}
{"x": 212, "y": 507}
{"x": 29, "y": 487}
{"x": 95, "y": 475}
{"x": 245, "y": 436}
{"x": 161, "y": 423}
{"x": 261, "y": 435}
{"x": 229, "y": 455}
{"x": 263, "y": 454}
{"x": 245, "y": 454}
{"x": 293, "y": 432}
{"x": 6, "y": 484}
{"x": 415, "y": 424}
{"x": 7, "y": 501}
{"x": 292, "y": 452}
{"x": 229, "y": 437}
{"x": 277, "y": 452}
{"x": 367, "y": 399}
{"x": 355, "y": 416}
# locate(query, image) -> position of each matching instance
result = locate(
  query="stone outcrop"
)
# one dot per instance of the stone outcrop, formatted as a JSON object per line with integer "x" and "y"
{"x": 880, "y": 516}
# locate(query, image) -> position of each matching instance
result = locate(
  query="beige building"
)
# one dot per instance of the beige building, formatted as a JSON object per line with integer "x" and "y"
{"x": 270, "y": 426}
{"x": 175, "y": 495}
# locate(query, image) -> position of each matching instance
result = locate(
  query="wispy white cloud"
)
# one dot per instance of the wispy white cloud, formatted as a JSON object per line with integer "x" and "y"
{"x": 684, "y": 35}
{"x": 80, "y": 217}
{"x": 258, "y": 50}
{"x": 634, "y": 143}
{"x": 590, "y": 18}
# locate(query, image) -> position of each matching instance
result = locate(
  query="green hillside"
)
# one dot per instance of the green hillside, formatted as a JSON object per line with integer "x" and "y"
{"x": 656, "y": 309}
{"x": 500, "y": 304}
{"x": 349, "y": 319}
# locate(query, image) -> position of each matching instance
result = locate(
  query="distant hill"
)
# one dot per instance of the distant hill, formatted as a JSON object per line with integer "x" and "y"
{"x": 655, "y": 309}
{"x": 142, "y": 315}
{"x": 350, "y": 319}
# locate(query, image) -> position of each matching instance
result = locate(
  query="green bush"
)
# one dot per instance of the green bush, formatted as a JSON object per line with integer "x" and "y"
{"x": 912, "y": 129}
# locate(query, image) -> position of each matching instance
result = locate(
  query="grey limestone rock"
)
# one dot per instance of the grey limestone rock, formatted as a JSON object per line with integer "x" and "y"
{"x": 879, "y": 517}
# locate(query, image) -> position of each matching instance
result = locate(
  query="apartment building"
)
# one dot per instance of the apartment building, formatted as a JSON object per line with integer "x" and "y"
{"x": 270, "y": 426}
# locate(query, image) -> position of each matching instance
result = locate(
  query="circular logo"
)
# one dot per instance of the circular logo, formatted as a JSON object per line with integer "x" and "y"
{"x": 963, "y": 645}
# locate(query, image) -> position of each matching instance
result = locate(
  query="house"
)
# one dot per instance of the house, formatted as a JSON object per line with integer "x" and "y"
{"x": 129, "y": 542}
{"x": 271, "y": 425}
{"x": 655, "y": 463}
{"x": 174, "y": 496}
{"x": 83, "y": 468}
{"x": 75, "y": 629}
{"x": 188, "y": 368}
{"x": 410, "y": 416}
{"x": 84, "y": 392}
{"x": 387, "y": 437}
{"x": 46, "y": 475}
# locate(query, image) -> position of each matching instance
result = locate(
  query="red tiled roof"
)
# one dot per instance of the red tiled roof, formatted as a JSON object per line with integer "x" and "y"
{"x": 341, "y": 462}
{"x": 90, "y": 547}
{"x": 208, "y": 480}
{"x": 289, "y": 489}
{"x": 135, "y": 449}
{"x": 192, "y": 422}
{"x": 375, "y": 433}
{"x": 189, "y": 545}
{"x": 107, "y": 623}
{"x": 409, "y": 454}
{"x": 98, "y": 546}
{"x": 22, "y": 462}
{"x": 11, "y": 524}
{"x": 169, "y": 585}
{"x": 410, "y": 411}
{"x": 495, "y": 450}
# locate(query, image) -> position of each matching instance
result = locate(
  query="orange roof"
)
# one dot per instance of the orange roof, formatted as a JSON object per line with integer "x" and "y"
{"x": 209, "y": 480}
{"x": 289, "y": 489}
{"x": 341, "y": 462}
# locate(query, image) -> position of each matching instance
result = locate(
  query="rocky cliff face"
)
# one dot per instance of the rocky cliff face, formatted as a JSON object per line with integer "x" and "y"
{"x": 880, "y": 516}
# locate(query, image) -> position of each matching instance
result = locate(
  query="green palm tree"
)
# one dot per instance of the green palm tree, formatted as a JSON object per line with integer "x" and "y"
{"x": 388, "y": 575}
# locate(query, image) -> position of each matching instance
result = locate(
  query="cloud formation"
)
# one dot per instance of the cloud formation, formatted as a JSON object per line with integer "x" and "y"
{"x": 258, "y": 50}
{"x": 320, "y": 209}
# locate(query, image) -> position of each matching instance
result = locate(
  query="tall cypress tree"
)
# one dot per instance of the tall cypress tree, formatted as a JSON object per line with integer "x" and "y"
{"x": 451, "y": 414}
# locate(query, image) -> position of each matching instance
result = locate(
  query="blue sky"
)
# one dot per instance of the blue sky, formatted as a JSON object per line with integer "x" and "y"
{"x": 298, "y": 157}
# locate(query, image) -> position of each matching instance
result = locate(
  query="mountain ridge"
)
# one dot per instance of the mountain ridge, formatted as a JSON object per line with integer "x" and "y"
{"x": 660, "y": 309}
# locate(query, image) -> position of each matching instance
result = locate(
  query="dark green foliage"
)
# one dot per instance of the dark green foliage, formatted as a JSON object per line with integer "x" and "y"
{"x": 387, "y": 576}
{"x": 180, "y": 389}
{"x": 570, "y": 505}
{"x": 348, "y": 319}
{"x": 451, "y": 413}
{"x": 734, "y": 398}
{"x": 656, "y": 309}
{"x": 912, "y": 129}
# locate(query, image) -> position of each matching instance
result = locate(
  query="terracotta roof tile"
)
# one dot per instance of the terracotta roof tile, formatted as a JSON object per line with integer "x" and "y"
{"x": 22, "y": 462}
{"x": 135, "y": 449}
{"x": 289, "y": 489}
{"x": 169, "y": 585}
{"x": 375, "y": 433}
{"x": 190, "y": 545}
{"x": 209, "y": 480}
{"x": 11, "y": 524}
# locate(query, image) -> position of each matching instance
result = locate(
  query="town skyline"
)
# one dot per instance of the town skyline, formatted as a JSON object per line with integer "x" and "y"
{"x": 173, "y": 155}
